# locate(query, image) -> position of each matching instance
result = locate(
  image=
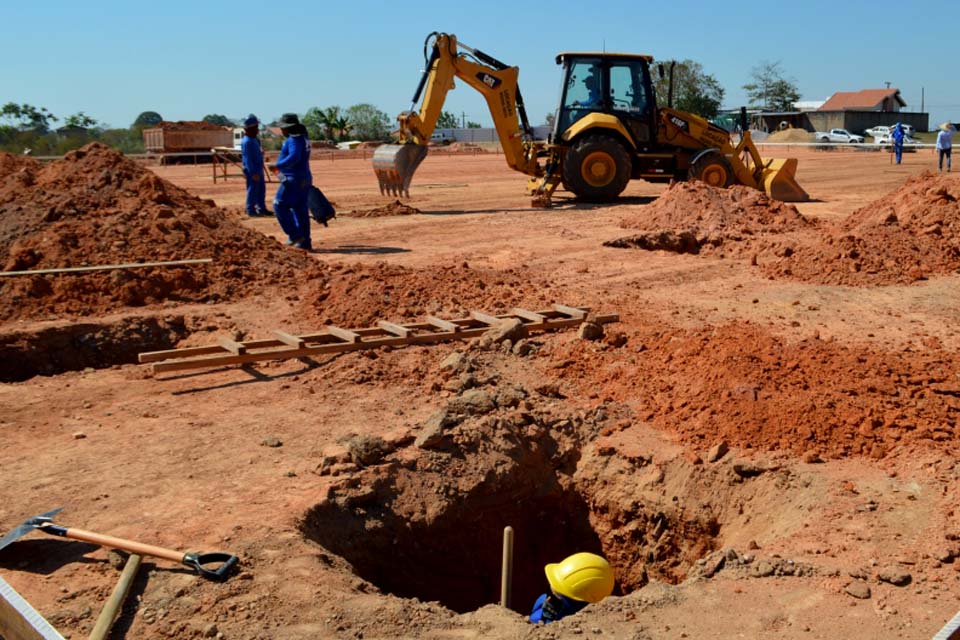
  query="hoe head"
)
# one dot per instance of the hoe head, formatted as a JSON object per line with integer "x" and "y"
{"x": 395, "y": 165}
{"x": 780, "y": 181}
{"x": 29, "y": 525}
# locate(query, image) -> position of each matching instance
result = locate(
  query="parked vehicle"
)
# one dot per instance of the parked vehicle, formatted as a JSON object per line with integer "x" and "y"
{"x": 836, "y": 135}
{"x": 882, "y": 130}
{"x": 909, "y": 144}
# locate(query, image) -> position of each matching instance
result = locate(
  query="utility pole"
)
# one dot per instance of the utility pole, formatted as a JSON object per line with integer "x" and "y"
{"x": 922, "y": 97}
{"x": 463, "y": 119}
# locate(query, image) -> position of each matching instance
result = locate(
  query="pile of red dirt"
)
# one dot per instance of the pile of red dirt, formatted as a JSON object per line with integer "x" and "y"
{"x": 465, "y": 146}
{"x": 693, "y": 217}
{"x": 741, "y": 384}
{"x": 395, "y": 208}
{"x": 903, "y": 237}
{"x": 189, "y": 125}
{"x": 96, "y": 207}
{"x": 358, "y": 296}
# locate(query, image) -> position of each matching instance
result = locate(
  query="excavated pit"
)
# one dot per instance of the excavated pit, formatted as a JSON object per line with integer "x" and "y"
{"x": 74, "y": 347}
{"x": 427, "y": 522}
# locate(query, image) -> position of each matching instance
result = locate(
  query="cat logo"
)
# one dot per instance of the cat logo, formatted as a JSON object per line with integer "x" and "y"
{"x": 680, "y": 123}
{"x": 488, "y": 80}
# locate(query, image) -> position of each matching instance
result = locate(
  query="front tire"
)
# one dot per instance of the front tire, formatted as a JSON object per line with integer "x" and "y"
{"x": 596, "y": 169}
{"x": 713, "y": 169}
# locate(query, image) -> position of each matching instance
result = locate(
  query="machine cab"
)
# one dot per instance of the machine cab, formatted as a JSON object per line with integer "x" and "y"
{"x": 607, "y": 83}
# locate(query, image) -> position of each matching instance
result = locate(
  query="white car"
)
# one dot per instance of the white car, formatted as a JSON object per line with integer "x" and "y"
{"x": 909, "y": 144}
{"x": 837, "y": 135}
{"x": 882, "y": 130}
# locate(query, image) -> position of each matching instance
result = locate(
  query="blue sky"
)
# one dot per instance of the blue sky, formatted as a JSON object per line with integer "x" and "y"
{"x": 113, "y": 60}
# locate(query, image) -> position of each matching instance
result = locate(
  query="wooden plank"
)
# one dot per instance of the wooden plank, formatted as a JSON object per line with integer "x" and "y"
{"x": 103, "y": 267}
{"x": 527, "y": 315}
{"x": 486, "y": 318}
{"x": 19, "y": 620}
{"x": 395, "y": 329}
{"x": 445, "y": 325}
{"x": 289, "y": 339}
{"x": 573, "y": 312}
{"x": 232, "y": 346}
{"x": 344, "y": 334}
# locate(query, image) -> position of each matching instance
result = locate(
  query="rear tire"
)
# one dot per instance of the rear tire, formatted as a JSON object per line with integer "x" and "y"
{"x": 713, "y": 169}
{"x": 596, "y": 169}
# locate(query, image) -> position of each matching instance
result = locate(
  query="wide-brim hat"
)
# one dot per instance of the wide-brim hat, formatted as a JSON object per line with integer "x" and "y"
{"x": 947, "y": 126}
{"x": 288, "y": 120}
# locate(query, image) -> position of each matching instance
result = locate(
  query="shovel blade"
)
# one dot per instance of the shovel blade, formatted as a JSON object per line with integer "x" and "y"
{"x": 395, "y": 165}
{"x": 28, "y": 526}
{"x": 780, "y": 181}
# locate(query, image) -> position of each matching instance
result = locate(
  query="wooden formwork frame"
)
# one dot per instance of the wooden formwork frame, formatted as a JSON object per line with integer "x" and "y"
{"x": 335, "y": 340}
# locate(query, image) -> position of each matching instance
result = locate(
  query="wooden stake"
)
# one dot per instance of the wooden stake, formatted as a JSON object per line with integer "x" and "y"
{"x": 109, "y": 613}
{"x": 105, "y": 267}
{"x": 506, "y": 570}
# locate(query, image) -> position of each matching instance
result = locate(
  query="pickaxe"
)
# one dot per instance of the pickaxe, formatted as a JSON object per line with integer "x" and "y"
{"x": 213, "y": 566}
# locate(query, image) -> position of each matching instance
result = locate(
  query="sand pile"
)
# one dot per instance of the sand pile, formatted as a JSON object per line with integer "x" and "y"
{"x": 741, "y": 384}
{"x": 466, "y": 146}
{"x": 903, "y": 237}
{"x": 357, "y": 296}
{"x": 395, "y": 208}
{"x": 790, "y": 135}
{"x": 692, "y": 217}
{"x": 96, "y": 207}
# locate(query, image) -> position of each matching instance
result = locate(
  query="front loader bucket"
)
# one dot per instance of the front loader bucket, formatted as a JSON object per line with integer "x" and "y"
{"x": 780, "y": 181}
{"x": 395, "y": 165}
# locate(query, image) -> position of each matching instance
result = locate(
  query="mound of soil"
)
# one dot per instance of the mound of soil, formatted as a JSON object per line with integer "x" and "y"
{"x": 356, "y": 296}
{"x": 466, "y": 146}
{"x": 395, "y": 208}
{"x": 692, "y": 217}
{"x": 903, "y": 237}
{"x": 741, "y": 384}
{"x": 96, "y": 207}
{"x": 791, "y": 135}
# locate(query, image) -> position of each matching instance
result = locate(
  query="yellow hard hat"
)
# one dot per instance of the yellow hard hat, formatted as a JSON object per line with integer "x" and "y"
{"x": 583, "y": 576}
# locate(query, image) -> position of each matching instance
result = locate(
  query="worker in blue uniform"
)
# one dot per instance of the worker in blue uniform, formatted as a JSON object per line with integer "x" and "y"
{"x": 897, "y": 136}
{"x": 575, "y": 582}
{"x": 252, "y": 155}
{"x": 293, "y": 167}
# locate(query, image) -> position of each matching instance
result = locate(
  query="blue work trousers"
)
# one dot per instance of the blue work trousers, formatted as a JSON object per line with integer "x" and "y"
{"x": 256, "y": 194}
{"x": 290, "y": 207}
{"x": 898, "y": 151}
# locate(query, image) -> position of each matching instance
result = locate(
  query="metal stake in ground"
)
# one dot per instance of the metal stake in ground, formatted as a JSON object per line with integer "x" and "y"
{"x": 213, "y": 566}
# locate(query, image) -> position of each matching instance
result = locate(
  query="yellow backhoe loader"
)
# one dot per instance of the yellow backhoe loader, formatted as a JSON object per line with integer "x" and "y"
{"x": 607, "y": 130}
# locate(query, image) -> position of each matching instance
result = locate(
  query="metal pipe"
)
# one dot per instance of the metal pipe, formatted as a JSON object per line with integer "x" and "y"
{"x": 506, "y": 572}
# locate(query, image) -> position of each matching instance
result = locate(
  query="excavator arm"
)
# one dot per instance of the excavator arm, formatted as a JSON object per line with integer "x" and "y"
{"x": 447, "y": 60}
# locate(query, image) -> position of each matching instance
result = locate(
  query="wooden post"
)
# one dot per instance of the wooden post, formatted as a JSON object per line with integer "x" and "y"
{"x": 506, "y": 571}
{"x": 102, "y": 628}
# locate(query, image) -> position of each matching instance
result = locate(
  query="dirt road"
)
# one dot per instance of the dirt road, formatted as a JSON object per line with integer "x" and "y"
{"x": 833, "y": 514}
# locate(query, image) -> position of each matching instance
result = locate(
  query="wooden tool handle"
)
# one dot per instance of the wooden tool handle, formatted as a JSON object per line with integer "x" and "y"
{"x": 114, "y": 543}
{"x": 102, "y": 627}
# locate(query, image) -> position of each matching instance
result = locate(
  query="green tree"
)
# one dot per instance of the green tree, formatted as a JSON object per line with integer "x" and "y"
{"x": 473, "y": 125}
{"x": 26, "y": 117}
{"x": 447, "y": 121}
{"x": 769, "y": 89}
{"x": 694, "y": 90}
{"x": 147, "y": 119}
{"x": 80, "y": 120}
{"x": 315, "y": 121}
{"x": 367, "y": 122}
{"x": 550, "y": 119}
{"x": 218, "y": 119}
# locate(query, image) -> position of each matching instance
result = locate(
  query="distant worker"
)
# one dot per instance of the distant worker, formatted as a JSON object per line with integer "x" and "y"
{"x": 252, "y": 154}
{"x": 945, "y": 144}
{"x": 592, "y": 84}
{"x": 577, "y": 581}
{"x": 897, "y": 136}
{"x": 293, "y": 167}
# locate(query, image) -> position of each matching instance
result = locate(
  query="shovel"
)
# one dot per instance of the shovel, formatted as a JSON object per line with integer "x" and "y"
{"x": 213, "y": 566}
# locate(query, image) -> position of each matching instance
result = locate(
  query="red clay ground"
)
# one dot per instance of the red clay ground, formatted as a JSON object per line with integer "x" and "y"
{"x": 838, "y": 403}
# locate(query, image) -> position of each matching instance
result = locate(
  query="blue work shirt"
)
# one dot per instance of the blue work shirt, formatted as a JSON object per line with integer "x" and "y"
{"x": 252, "y": 155}
{"x": 897, "y": 135}
{"x": 551, "y": 607}
{"x": 294, "y": 160}
{"x": 945, "y": 140}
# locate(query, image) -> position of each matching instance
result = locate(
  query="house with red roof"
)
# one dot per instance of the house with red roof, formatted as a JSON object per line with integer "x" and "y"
{"x": 883, "y": 100}
{"x": 858, "y": 111}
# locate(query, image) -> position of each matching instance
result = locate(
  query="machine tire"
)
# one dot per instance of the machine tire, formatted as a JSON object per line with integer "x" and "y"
{"x": 597, "y": 168}
{"x": 713, "y": 169}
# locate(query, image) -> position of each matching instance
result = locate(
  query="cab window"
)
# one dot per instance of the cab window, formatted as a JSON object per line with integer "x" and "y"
{"x": 583, "y": 92}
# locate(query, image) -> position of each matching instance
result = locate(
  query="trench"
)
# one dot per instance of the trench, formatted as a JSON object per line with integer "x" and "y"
{"x": 433, "y": 530}
{"x": 74, "y": 347}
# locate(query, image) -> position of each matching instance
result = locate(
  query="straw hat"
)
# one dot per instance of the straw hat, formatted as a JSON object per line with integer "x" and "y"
{"x": 947, "y": 126}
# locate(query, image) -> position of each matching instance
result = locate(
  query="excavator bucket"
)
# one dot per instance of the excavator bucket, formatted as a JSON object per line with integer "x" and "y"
{"x": 395, "y": 165}
{"x": 780, "y": 181}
